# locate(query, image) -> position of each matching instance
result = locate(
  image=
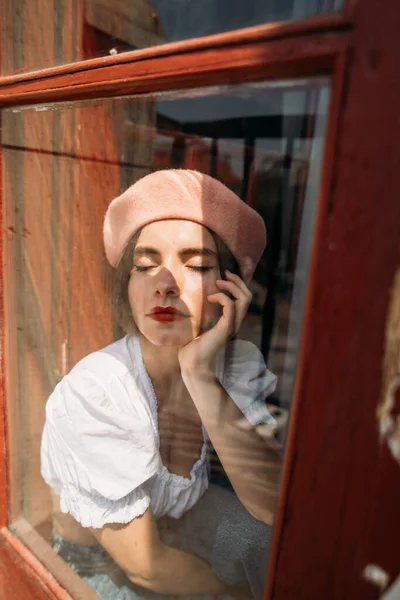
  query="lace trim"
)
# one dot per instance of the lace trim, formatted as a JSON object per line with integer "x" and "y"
{"x": 257, "y": 413}
{"x": 96, "y": 511}
{"x": 200, "y": 464}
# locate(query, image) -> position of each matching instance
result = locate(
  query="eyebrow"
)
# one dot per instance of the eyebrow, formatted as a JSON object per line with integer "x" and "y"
{"x": 142, "y": 250}
{"x": 184, "y": 253}
{"x": 197, "y": 251}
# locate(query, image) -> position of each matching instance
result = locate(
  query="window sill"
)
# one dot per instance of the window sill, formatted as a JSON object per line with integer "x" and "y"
{"x": 17, "y": 580}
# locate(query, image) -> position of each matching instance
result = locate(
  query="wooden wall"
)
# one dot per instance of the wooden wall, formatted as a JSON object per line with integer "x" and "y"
{"x": 62, "y": 166}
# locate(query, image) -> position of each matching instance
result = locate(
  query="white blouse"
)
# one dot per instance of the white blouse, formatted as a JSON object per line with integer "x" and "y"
{"x": 100, "y": 444}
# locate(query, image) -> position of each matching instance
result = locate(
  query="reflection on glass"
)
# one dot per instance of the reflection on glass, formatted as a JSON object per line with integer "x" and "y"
{"x": 166, "y": 446}
{"x": 41, "y": 34}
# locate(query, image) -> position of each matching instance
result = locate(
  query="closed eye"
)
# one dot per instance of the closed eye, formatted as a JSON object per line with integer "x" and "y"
{"x": 142, "y": 269}
{"x": 200, "y": 269}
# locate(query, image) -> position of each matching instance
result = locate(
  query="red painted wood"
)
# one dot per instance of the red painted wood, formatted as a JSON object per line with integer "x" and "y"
{"x": 279, "y": 56}
{"x": 271, "y": 31}
{"x": 341, "y": 490}
{"x": 349, "y": 8}
{"x": 33, "y": 567}
{"x": 17, "y": 581}
{"x": 337, "y": 91}
{"x": 341, "y": 509}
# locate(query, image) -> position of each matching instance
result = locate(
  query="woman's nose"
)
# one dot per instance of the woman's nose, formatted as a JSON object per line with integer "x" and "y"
{"x": 167, "y": 284}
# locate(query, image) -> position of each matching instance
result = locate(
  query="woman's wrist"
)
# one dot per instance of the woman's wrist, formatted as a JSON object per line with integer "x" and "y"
{"x": 201, "y": 372}
{"x": 203, "y": 386}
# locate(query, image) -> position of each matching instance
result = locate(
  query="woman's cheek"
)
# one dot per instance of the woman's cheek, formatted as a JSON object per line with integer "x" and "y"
{"x": 136, "y": 299}
{"x": 199, "y": 292}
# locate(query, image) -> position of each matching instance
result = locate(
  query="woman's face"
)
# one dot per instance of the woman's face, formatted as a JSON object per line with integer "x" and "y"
{"x": 175, "y": 268}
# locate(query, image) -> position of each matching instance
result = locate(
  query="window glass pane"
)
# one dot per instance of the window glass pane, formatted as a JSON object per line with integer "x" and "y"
{"x": 39, "y": 34}
{"x": 159, "y": 433}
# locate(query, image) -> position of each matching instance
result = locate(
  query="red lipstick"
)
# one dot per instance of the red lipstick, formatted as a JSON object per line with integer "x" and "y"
{"x": 166, "y": 314}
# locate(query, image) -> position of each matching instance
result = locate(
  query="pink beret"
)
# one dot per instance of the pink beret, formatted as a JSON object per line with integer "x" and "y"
{"x": 191, "y": 196}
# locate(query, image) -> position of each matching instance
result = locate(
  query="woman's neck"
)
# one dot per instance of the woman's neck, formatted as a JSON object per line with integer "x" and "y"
{"x": 161, "y": 362}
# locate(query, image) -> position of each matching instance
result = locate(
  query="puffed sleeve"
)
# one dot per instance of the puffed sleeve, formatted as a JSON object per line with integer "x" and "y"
{"x": 95, "y": 453}
{"x": 248, "y": 381}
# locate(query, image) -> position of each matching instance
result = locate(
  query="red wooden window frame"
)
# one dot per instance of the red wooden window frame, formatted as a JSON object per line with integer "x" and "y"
{"x": 340, "y": 493}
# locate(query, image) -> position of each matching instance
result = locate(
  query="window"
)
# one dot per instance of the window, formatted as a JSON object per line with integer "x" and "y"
{"x": 86, "y": 154}
{"x": 271, "y": 112}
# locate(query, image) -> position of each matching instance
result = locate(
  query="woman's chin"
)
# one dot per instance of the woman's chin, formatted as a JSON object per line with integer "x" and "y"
{"x": 170, "y": 337}
{"x": 169, "y": 341}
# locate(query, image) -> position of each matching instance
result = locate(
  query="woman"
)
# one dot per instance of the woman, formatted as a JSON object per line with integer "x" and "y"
{"x": 127, "y": 430}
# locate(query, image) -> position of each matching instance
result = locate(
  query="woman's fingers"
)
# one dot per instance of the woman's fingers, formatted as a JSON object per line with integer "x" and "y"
{"x": 237, "y": 292}
{"x": 237, "y": 308}
{"x": 242, "y": 297}
{"x": 228, "y": 310}
{"x": 200, "y": 351}
{"x": 239, "y": 282}
{"x": 226, "y": 303}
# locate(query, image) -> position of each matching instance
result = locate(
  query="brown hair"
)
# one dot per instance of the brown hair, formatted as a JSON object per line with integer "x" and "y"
{"x": 121, "y": 305}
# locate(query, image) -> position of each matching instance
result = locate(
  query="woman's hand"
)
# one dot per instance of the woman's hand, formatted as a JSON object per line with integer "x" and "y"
{"x": 197, "y": 355}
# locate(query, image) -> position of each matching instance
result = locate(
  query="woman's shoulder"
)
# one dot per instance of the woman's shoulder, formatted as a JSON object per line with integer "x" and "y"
{"x": 244, "y": 360}
{"x": 111, "y": 361}
{"x": 105, "y": 378}
{"x": 238, "y": 354}
{"x": 243, "y": 350}
{"x": 246, "y": 378}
